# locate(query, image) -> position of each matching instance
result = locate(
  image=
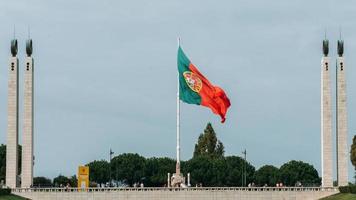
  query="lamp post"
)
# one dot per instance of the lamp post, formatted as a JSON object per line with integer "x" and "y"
{"x": 110, "y": 156}
{"x": 244, "y": 169}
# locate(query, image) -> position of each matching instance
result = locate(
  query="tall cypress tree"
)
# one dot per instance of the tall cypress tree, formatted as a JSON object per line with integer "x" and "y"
{"x": 208, "y": 144}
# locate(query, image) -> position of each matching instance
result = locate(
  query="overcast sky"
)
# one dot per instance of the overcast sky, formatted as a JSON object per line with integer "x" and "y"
{"x": 105, "y": 76}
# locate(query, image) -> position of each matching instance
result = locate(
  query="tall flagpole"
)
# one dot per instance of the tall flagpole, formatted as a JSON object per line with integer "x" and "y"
{"x": 178, "y": 124}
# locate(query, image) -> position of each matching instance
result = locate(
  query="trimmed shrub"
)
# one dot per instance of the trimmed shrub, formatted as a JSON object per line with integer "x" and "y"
{"x": 348, "y": 189}
{"x": 5, "y": 191}
{"x": 352, "y": 189}
{"x": 344, "y": 189}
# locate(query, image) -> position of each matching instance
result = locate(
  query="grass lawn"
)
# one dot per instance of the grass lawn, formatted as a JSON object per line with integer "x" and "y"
{"x": 341, "y": 196}
{"x": 11, "y": 197}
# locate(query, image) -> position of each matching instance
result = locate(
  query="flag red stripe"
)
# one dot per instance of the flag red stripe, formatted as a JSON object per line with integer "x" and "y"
{"x": 212, "y": 96}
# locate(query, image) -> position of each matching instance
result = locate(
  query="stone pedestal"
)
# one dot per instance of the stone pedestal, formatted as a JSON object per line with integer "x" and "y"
{"x": 177, "y": 180}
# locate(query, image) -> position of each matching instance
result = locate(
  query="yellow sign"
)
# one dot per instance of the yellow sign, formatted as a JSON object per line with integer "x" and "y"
{"x": 83, "y": 177}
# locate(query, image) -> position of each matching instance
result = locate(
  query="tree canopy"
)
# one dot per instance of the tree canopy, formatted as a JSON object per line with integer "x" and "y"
{"x": 42, "y": 182}
{"x": 299, "y": 171}
{"x": 99, "y": 171}
{"x": 234, "y": 165}
{"x": 156, "y": 170}
{"x": 128, "y": 167}
{"x": 267, "y": 175}
{"x": 353, "y": 152}
{"x": 3, "y": 161}
{"x": 64, "y": 181}
{"x": 60, "y": 181}
{"x": 208, "y": 144}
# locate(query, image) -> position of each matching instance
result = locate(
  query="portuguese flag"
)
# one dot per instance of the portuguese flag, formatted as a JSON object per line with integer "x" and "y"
{"x": 195, "y": 88}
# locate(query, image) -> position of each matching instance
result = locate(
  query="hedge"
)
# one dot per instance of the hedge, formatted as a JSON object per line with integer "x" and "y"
{"x": 348, "y": 189}
{"x": 5, "y": 191}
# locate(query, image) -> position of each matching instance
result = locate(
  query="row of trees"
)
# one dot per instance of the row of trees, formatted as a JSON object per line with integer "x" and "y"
{"x": 59, "y": 181}
{"x": 208, "y": 167}
{"x": 225, "y": 171}
{"x": 133, "y": 168}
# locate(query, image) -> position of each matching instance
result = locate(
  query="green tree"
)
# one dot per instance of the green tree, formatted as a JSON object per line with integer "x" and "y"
{"x": 353, "y": 154}
{"x": 3, "y": 161}
{"x": 128, "y": 167}
{"x": 61, "y": 181}
{"x": 267, "y": 174}
{"x": 42, "y": 182}
{"x": 73, "y": 181}
{"x": 298, "y": 171}
{"x": 234, "y": 168}
{"x": 218, "y": 172}
{"x": 19, "y": 151}
{"x": 156, "y": 170}
{"x": 99, "y": 171}
{"x": 208, "y": 144}
{"x": 201, "y": 169}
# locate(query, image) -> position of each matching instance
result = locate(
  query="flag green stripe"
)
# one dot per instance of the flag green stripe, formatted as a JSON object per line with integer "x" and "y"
{"x": 185, "y": 93}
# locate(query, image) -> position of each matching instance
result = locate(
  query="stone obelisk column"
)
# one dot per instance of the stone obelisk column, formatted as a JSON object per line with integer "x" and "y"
{"x": 326, "y": 133}
{"x": 27, "y": 138}
{"x": 12, "y": 119}
{"x": 341, "y": 118}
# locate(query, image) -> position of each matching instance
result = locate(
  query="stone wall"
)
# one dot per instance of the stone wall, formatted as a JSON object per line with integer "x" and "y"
{"x": 179, "y": 194}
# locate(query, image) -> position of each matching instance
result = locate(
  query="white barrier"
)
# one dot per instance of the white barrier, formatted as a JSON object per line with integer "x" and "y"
{"x": 192, "y": 193}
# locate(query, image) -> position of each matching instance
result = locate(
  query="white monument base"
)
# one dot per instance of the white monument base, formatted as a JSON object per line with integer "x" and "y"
{"x": 177, "y": 180}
